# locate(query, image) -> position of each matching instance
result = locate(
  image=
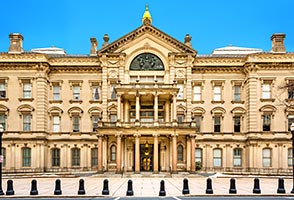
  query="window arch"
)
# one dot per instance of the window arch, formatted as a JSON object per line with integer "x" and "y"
{"x": 180, "y": 150}
{"x": 113, "y": 152}
{"x": 147, "y": 62}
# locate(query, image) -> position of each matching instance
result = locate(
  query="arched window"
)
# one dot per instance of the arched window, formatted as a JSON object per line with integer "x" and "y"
{"x": 26, "y": 157}
{"x": 113, "y": 153}
{"x": 217, "y": 157}
{"x": 94, "y": 157}
{"x": 266, "y": 157}
{"x": 55, "y": 155}
{"x": 147, "y": 62}
{"x": 75, "y": 157}
{"x": 180, "y": 152}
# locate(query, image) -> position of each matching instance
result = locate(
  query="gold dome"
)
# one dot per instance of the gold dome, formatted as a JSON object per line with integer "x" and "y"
{"x": 147, "y": 15}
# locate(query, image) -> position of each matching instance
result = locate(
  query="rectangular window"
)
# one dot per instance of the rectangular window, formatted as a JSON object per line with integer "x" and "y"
{"x": 27, "y": 122}
{"x": 113, "y": 118}
{"x": 76, "y": 123}
{"x": 55, "y": 157}
{"x": 26, "y": 157}
{"x": 266, "y": 90}
{"x": 181, "y": 118}
{"x": 290, "y": 90}
{"x": 217, "y": 93}
{"x": 2, "y": 90}
{"x": 3, "y": 153}
{"x": 266, "y": 123}
{"x": 95, "y": 93}
{"x": 56, "y": 92}
{"x": 197, "y": 93}
{"x": 217, "y": 157}
{"x": 217, "y": 124}
{"x": 198, "y": 123}
{"x": 198, "y": 158}
{"x": 237, "y": 157}
{"x": 95, "y": 120}
{"x": 27, "y": 90}
{"x": 94, "y": 157}
{"x": 112, "y": 91}
{"x": 76, "y": 92}
{"x": 266, "y": 157}
{"x": 290, "y": 121}
{"x": 56, "y": 124}
{"x": 290, "y": 158}
{"x": 3, "y": 120}
{"x": 237, "y": 93}
{"x": 75, "y": 157}
{"x": 181, "y": 91}
{"x": 237, "y": 124}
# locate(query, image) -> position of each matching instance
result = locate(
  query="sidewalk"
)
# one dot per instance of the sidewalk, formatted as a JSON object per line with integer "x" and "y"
{"x": 147, "y": 187}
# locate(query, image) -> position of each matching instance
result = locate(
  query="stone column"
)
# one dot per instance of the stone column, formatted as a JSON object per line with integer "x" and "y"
{"x": 118, "y": 96}
{"x": 174, "y": 107}
{"x": 174, "y": 153}
{"x": 155, "y": 153}
{"x": 126, "y": 111}
{"x": 193, "y": 153}
{"x": 167, "y": 115}
{"x": 100, "y": 155}
{"x": 137, "y": 153}
{"x": 118, "y": 153}
{"x": 137, "y": 107}
{"x": 156, "y": 107}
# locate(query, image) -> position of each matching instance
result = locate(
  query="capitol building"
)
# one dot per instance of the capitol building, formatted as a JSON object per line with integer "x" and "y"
{"x": 147, "y": 103}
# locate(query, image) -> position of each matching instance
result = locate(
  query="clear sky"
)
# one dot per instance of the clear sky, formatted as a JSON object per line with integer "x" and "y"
{"x": 212, "y": 24}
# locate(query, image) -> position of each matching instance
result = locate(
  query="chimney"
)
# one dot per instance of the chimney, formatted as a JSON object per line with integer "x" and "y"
{"x": 188, "y": 39}
{"x": 278, "y": 43}
{"x": 94, "y": 45}
{"x": 15, "y": 43}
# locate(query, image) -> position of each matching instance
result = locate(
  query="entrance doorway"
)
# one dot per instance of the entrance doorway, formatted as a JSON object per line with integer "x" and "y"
{"x": 146, "y": 157}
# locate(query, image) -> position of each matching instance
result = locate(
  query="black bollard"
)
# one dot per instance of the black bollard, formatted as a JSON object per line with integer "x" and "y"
{"x": 9, "y": 190}
{"x": 232, "y": 186}
{"x": 162, "y": 189}
{"x": 185, "y": 187}
{"x": 105, "y": 190}
{"x": 209, "y": 186}
{"x": 130, "y": 191}
{"x": 281, "y": 188}
{"x": 256, "y": 189}
{"x": 34, "y": 190}
{"x": 57, "y": 190}
{"x": 81, "y": 187}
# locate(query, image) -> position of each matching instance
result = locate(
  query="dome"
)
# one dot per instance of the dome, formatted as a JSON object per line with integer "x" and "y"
{"x": 235, "y": 50}
{"x": 49, "y": 50}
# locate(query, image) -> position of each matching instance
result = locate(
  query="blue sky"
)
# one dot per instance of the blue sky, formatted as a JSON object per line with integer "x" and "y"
{"x": 212, "y": 23}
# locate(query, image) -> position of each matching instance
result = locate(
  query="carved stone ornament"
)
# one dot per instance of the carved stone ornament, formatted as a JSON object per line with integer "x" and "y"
{"x": 147, "y": 62}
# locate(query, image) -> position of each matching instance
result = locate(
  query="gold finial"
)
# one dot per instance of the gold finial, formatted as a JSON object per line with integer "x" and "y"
{"x": 147, "y": 19}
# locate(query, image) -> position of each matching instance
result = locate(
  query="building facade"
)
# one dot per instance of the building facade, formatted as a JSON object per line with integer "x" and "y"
{"x": 146, "y": 103}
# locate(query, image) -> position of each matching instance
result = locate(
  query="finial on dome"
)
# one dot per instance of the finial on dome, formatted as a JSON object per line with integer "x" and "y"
{"x": 147, "y": 19}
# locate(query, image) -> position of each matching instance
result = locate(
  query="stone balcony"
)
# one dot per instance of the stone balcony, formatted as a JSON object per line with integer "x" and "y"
{"x": 146, "y": 124}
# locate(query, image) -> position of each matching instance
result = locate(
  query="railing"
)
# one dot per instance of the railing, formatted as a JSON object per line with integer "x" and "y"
{"x": 146, "y": 124}
{"x": 160, "y": 85}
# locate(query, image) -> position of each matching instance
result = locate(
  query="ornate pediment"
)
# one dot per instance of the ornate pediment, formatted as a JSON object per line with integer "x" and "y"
{"x": 141, "y": 31}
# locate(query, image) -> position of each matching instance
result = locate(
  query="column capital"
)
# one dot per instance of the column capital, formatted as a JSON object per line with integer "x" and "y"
{"x": 155, "y": 134}
{"x": 174, "y": 134}
{"x": 137, "y": 135}
{"x": 99, "y": 135}
{"x": 118, "y": 134}
{"x": 193, "y": 135}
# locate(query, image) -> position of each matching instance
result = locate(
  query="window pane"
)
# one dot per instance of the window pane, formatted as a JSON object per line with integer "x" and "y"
{"x": 95, "y": 93}
{"x": 94, "y": 157}
{"x": 290, "y": 159}
{"x": 76, "y": 123}
{"x": 217, "y": 158}
{"x": 266, "y": 157}
{"x": 180, "y": 153}
{"x": 266, "y": 123}
{"x": 3, "y": 153}
{"x": 237, "y": 157}
{"x": 55, "y": 157}
{"x": 56, "y": 123}
{"x": 26, "y": 122}
{"x": 237, "y": 124}
{"x": 181, "y": 91}
{"x": 266, "y": 94}
{"x": 237, "y": 93}
{"x": 56, "y": 92}
{"x": 75, "y": 157}
{"x": 198, "y": 123}
{"x": 26, "y": 156}
{"x": 76, "y": 92}
{"x": 113, "y": 153}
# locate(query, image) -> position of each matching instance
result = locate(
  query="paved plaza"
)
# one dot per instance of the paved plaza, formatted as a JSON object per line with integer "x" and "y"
{"x": 145, "y": 186}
